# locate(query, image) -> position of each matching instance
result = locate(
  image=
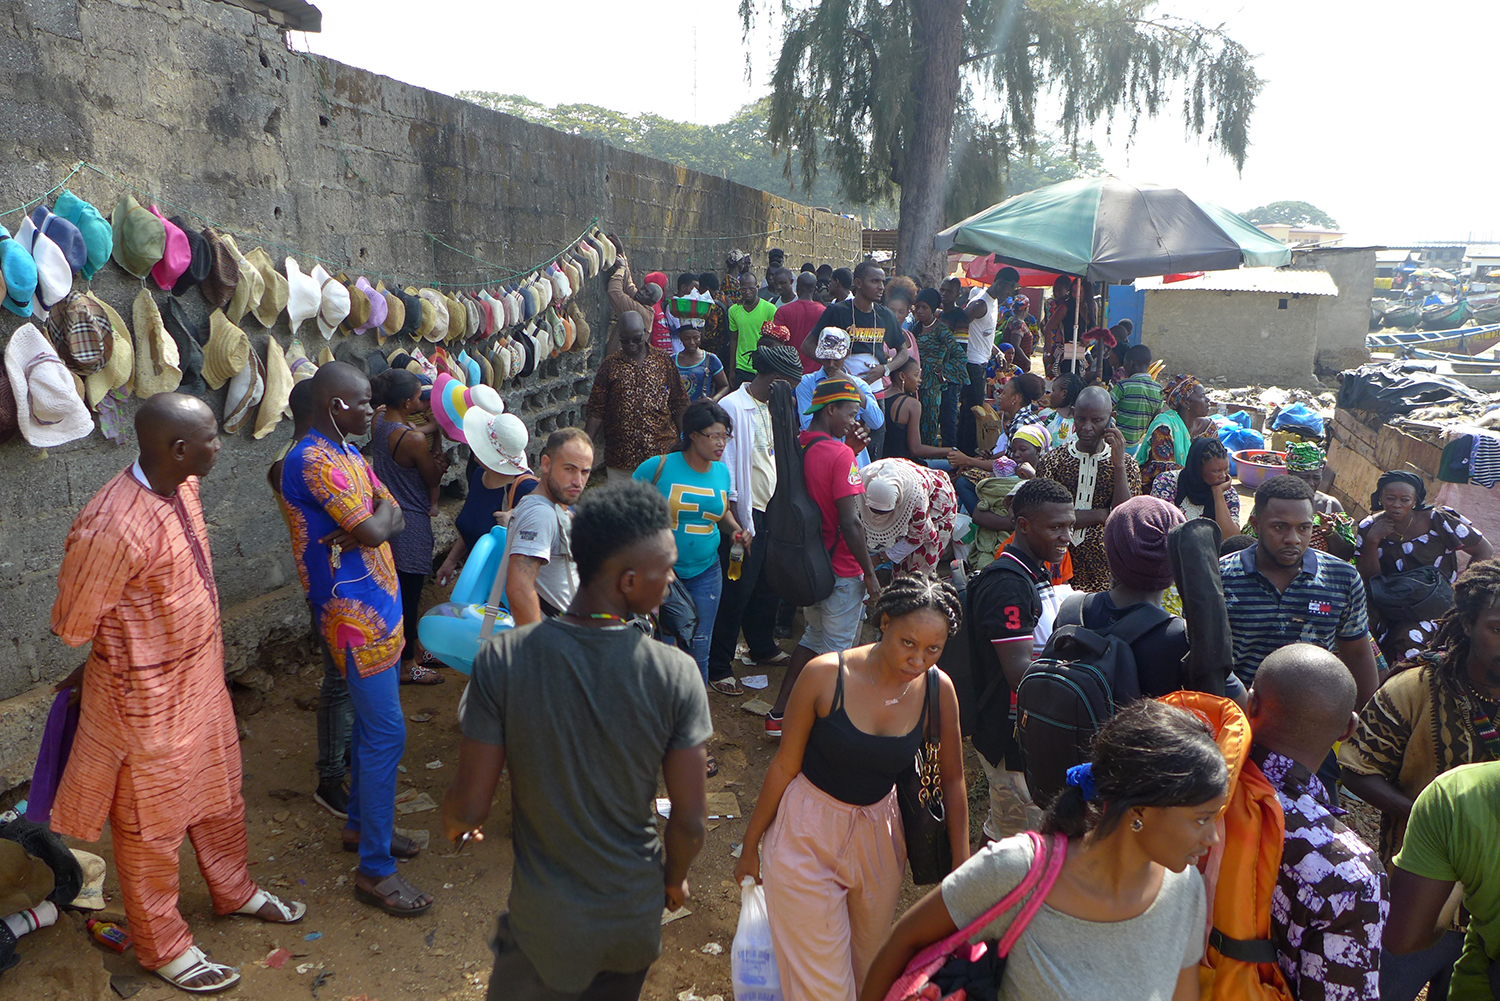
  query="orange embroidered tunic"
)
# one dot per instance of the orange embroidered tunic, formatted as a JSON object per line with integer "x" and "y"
{"x": 137, "y": 580}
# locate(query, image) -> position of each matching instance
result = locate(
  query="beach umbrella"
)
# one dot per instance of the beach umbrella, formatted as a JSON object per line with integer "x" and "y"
{"x": 1108, "y": 230}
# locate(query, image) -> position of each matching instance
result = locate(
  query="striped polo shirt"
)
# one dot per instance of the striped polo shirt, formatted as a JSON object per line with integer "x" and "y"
{"x": 1324, "y": 604}
{"x": 1137, "y": 401}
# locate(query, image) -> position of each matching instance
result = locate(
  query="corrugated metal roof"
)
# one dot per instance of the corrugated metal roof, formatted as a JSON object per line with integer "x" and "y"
{"x": 1286, "y": 281}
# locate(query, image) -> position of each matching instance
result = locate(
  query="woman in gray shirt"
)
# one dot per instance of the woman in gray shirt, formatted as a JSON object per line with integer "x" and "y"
{"x": 1127, "y": 916}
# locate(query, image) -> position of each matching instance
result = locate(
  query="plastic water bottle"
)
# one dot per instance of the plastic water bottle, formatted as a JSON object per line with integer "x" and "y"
{"x": 736, "y": 557}
{"x": 752, "y": 959}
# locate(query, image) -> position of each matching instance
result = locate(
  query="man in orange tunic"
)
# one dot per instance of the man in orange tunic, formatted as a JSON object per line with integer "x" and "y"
{"x": 157, "y": 749}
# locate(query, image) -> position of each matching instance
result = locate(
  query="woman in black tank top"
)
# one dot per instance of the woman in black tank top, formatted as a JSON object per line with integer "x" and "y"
{"x": 835, "y": 853}
{"x": 903, "y": 420}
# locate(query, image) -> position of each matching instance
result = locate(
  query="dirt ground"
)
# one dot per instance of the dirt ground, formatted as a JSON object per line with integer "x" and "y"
{"x": 346, "y": 950}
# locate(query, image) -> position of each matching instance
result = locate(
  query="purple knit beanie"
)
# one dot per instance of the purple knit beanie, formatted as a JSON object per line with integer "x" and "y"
{"x": 1135, "y": 541}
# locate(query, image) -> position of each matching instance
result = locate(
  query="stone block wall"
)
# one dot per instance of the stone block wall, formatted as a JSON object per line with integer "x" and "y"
{"x": 201, "y": 106}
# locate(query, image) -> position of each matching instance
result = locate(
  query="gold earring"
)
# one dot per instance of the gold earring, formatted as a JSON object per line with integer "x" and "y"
{"x": 1136, "y": 825}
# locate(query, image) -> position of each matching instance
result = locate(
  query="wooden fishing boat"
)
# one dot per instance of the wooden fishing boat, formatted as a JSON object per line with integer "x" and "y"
{"x": 1402, "y": 316}
{"x": 1464, "y": 341}
{"x": 1485, "y": 313}
{"x": 1459, "y": 363}
{"x": 1445, "y": 317}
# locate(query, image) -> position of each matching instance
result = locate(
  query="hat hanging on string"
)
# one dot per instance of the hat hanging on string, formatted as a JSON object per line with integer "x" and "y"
{"x": 246, "y": 390}
{"x": 278, "y": 390}
{"x": 176, "y": 254}
{"x": 227, "y": 352}
{"x": 139, "y": 237}
{"x": 119, "y": 370}
{"x": 276, "y": 291}
{"x": 303, "y": 298}
{"x": 156, "y": 360}
{"x": 98, "y": 235}
{"x": 48, "y": 408}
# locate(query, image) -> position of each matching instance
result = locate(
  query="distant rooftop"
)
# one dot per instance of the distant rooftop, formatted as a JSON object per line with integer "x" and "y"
{"x": 1284, "y": 281}
{"x": 1483, "y": 250}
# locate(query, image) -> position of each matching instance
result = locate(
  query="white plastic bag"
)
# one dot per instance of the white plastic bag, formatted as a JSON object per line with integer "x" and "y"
{"x": 752, "y": 961}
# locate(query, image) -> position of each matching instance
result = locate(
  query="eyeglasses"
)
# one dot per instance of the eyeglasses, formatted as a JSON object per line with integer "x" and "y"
{"x": 718, "y": 438}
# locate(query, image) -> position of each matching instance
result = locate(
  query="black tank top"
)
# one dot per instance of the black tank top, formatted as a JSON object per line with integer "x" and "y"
{"x": 852, "y": 766}
{"x": 896, "y": 446}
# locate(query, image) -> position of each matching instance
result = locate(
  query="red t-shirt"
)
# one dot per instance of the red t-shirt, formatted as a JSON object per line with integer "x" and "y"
{"x": 830, "y": 471}
{"x": 661, "y": 334}
{"x": 799, "y": 317}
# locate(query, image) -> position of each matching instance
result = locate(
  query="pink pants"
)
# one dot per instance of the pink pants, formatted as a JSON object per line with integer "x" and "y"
{"x": 833, "y": 874}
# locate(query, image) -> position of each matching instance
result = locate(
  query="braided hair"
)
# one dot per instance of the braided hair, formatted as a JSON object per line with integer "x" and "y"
{"x": 910, "y": 593}
{"x": 1476, "y": 589}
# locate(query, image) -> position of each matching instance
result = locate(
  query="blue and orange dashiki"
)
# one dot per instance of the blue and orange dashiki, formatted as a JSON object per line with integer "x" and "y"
{"x": 328, "y": 486}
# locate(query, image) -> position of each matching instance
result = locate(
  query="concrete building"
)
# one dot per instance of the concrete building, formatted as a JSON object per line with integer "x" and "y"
{"x": 1344, "y": 320}
{"x": 1301, "y": 236}
{"x": 1252, "y": 326}
{"x": 201, "y": 107}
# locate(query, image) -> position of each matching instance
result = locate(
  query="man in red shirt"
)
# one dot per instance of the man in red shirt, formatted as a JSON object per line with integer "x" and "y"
{"x": 799, "y": 316}
{"x": 834, "y": 484}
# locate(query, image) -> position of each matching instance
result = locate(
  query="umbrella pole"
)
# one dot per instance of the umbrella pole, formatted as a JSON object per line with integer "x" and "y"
{"x": 1077, "y": 310}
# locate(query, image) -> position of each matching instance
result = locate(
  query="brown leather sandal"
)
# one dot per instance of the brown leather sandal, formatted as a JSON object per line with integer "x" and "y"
{"x": 401, "y": 845}
{"x": 395, "y": 896}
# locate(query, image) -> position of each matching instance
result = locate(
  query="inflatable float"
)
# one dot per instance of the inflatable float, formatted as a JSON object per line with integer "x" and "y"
{"x": 450, "y": 631}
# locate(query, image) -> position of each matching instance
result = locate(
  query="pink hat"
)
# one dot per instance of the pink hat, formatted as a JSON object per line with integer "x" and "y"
{"x": 176, "y": 256}
{"x": 379, "y": 308}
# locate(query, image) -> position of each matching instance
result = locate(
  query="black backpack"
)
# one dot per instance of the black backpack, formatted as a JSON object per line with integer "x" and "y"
{"x": 798, "y": 567}
{"x": 1082, "y": 678}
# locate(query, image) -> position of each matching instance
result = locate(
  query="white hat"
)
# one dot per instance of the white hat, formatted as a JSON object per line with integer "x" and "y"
{"x": 303, "y": 297}
{"x": 91, "y": 894}
{"x": 245, "y": 391}
{"x": 333, "y": 301}
{"x": 893, "y": 489}
{"x": 48, "y": 406}
{"x": 832, "y": 343}
{"x": 498, "y": 441}
{"x": 54, "y": 276}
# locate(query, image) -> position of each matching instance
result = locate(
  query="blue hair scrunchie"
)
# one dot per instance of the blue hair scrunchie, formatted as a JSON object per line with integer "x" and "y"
{"x": 1081, "y": 777}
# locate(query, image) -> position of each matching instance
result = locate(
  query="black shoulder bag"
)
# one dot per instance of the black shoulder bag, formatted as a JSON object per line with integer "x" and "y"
{"x": 919, "y": 793}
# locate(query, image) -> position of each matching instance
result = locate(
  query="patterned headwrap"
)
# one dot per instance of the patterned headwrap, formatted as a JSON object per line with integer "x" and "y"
{"x": 1037, "y": 435}
{"x": 777, "y": 358}
{"x": 1303, "y": 457}
{"x": 1418, "y": 486}
{"x": 779, "y": 331}
{"x": 1178, "y": 390}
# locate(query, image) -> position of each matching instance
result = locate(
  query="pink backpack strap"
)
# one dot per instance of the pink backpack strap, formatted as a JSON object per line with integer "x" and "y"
{"x": 1054, "y": 865}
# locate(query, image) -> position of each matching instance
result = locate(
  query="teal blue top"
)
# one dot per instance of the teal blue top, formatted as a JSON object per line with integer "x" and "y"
{"x": 697, "y": 502}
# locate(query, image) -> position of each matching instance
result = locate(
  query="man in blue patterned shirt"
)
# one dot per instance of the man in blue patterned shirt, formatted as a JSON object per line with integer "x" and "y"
{"x": 1329, "y": 907}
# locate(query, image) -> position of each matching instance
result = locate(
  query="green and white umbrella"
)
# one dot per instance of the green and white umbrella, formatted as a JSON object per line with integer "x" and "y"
{"x": 1108, "y": 230}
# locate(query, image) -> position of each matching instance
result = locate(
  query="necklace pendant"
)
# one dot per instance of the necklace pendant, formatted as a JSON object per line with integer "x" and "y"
{"x": 891, "y": 702}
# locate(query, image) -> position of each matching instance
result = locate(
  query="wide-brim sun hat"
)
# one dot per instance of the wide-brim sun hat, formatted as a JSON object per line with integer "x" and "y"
{"x": 245, "y": 391}
{"x": 227, "y": 352}
{"x": 498, "y": 441}
{"x": 157, "y": 365}
{"x": 333, "y": 301}
{"x": 48, "y": 408}
{"x": 278, "y": 390}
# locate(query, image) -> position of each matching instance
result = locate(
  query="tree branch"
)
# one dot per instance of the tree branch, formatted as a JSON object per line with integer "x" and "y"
{"x": 869, "y": 44}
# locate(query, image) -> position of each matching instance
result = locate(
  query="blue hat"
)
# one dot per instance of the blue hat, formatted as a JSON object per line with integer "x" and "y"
{"x": 98, "y": 235}
{"x": 63, "y": 233}
{"x": 18, "y": 271}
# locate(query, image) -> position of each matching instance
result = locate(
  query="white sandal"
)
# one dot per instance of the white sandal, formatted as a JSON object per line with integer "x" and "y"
{"x": 290, "y": 913}
{"x": 192, "y": 965}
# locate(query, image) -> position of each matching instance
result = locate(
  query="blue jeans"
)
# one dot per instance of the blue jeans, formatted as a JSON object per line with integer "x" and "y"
{"x": 379, "y": 740}
{"x": 335, "y": 718}
{"x": 968, "y": 494}
{"x": 1402, "y": 977}
{"x": 706, "y": 589}
{"x": 833, "y": 623}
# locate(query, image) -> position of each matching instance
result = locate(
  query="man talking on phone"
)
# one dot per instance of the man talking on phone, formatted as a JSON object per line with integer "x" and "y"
{"x": 1101, "y": 475}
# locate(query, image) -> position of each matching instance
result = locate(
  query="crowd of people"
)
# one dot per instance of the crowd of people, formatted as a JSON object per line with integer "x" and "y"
{"x": 977, "y": 485}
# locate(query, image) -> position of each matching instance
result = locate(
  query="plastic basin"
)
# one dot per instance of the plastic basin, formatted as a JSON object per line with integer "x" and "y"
{"x": 1254, "y": 466}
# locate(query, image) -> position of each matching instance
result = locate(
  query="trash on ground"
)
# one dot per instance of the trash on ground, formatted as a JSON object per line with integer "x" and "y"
{"x": 417, "y": 804}
{"x": 756, "y": 681}
{"x": 759, "y": 707}
{"x": 421, "y": 837}
{"x": 421, "y": 717}
{"x": 712, "y": 949}
{"x": 667, "y": 917}
{"x": 312, "y": 936}
{"x": 276, "y": 958}
{"x": 433, "y": 766}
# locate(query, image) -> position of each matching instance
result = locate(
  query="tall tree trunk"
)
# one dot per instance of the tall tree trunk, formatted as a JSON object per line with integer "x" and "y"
{"x": 937, "y": 30}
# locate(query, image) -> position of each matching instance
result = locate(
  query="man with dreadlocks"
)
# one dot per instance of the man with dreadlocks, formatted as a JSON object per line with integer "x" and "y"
{"x": 833, "y": 855}
{"x": 1434, "y": 714}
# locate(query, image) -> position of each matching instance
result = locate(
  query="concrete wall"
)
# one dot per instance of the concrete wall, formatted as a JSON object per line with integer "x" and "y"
{"x": 1240, "y": 335}
{"x": 201, "y": 105}
{"x": 1344, "y": 321}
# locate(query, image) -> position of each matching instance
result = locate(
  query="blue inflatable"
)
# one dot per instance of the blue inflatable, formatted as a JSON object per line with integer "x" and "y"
{"x": 450, "y": 631}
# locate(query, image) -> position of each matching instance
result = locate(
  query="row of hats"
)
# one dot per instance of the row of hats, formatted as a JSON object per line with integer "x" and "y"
{"x": 51, "y": 246}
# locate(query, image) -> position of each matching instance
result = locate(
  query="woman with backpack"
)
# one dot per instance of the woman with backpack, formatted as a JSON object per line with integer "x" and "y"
{"x": 1124, "y": 918}
{"x": 696, "y": 485}
{"x": 834, "y": 844}
{"x": 501, "y": 477}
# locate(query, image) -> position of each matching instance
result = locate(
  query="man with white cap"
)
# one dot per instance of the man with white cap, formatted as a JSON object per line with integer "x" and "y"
{"x": 833, "y": 351}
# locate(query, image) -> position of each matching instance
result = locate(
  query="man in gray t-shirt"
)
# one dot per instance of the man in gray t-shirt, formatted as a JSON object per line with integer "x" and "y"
{"x": 586, "y": 710}
{"x": 540, "y": 573}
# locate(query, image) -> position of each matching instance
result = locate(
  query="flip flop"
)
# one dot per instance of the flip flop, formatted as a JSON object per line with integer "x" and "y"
{"x": 290, "y": 913}
{"x": 423, "y": 675}
{"x": 713, "y": 766}
{"x": 728, "y": 686}
{"x": 395, "y": 896}
{"x": 193, "y": 964}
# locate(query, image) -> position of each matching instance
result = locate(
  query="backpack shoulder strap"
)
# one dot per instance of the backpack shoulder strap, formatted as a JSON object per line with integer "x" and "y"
{"x": 1139, "y": 622}
{"x": 661, "y": 463}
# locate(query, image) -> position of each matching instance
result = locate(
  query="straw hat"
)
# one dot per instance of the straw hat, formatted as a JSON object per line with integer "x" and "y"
{"x": 298, "y": 363}
{"x": 458, "y": 318}
{"x": 245, "y": 390}
{"x": 275, "y": 291}
{"x": 325, "y": 356}
{"x": 251, "y": 286}
{"x": 498, "y": 441}
{"x": 227, "y": 352}
{"x": 91, "y": 894}
{"x": 333, "y": 301}
{"x": 395, "y": 315}
{"x": 49, "y": 409}
{"x": 438, "y": 331}
{"x": 486, "y": 370}
{"x": 138, "y": 238}
{"x": 223, "y": 281}
{"x": 608, "y": 246}
{"x": 156, "y": 360}
{"x": 120, "y": 368}
{"x": 278, "y": 390}
{"x": 304, "y": 297}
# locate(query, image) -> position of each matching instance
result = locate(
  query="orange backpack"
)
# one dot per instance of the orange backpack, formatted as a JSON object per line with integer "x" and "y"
{"x": 1241, "y": 871}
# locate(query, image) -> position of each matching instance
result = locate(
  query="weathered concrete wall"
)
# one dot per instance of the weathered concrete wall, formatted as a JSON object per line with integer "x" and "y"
{"x": 201, "y": 105}
{"x": 1243, "y": 336}
{"x": 1344, "y": 321}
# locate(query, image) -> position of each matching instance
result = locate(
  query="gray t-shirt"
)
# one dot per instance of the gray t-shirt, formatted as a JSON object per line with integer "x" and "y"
{"x": 585, "y": 716}
{"x": 1063, "y": 958}
{"x": 541, "y": 528}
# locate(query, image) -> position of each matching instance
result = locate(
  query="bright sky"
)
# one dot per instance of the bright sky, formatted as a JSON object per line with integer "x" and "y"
{"x": 1378, "y": 112}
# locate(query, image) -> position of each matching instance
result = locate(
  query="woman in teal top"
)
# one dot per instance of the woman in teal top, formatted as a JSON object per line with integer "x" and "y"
{"x": 696, "y": 486}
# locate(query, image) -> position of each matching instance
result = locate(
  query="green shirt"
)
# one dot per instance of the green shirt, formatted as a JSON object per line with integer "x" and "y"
{"x": 1454, "y": 836}
{"x": 1137, "y": 401}
{"x": 746, "y": 324}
